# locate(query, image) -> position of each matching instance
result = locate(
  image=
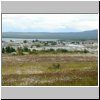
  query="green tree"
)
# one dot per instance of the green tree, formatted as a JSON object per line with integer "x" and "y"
{"x": 9, "y": 49}
{"x": 12, "y": 49}
{"x": 86, "y": 51}
{"x": 25, "y": 41}
{"x": 25, "y": 49}
{"x": 62, "y": 50}
{"x": 3, "y": 50}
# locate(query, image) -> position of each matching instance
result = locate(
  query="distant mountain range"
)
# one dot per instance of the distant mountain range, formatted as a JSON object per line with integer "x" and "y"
{"x": 93, "y": 34}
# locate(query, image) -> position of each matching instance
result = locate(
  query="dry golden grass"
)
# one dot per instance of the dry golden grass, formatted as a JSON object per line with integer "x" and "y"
{"x": 40, "y": 70}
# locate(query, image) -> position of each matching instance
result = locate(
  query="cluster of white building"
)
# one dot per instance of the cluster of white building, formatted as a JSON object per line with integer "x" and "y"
{"x": 91, "y": 46}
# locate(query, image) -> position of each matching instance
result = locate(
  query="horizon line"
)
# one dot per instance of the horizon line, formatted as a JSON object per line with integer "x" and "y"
{"x": 49, "y": 32}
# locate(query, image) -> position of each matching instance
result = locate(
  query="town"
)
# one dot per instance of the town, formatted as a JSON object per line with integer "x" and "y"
{"x": 30, "y": 46}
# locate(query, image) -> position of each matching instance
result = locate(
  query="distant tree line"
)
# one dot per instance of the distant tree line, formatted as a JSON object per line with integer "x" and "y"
{"x": 21, "y": 50}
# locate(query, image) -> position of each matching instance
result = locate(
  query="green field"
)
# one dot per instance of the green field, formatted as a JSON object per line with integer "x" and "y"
{"x": 50, "y": 70}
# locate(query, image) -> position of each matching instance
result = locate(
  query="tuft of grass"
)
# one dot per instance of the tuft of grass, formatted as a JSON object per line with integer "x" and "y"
{"x": 56, "y": 66}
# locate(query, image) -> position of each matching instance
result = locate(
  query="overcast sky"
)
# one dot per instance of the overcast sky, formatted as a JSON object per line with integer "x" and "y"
{"x": 49, "y": 22}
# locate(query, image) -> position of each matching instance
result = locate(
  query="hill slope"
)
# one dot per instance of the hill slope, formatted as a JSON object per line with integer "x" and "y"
{"x": 93, "y": 34}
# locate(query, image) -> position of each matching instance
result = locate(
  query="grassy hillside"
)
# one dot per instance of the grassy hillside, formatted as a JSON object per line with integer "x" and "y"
{"x": 50, "y": 70}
